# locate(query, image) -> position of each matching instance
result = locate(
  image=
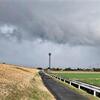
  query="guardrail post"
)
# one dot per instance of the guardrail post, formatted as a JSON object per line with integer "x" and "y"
{"x": 70, "y": 83}
{"x": 94, "y": 93}
{"x": 79, "y": 86}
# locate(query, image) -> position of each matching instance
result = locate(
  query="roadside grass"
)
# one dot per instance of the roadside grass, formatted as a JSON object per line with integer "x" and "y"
{"x": 19, "y": 83}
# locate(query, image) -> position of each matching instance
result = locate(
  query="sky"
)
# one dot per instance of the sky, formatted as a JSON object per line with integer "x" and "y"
{"x": 69, "y": 29}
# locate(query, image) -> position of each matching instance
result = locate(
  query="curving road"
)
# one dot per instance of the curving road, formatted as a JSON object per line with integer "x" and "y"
{"x": 60, "y": 91}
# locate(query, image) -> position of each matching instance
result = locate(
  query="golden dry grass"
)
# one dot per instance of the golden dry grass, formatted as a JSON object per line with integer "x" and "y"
{"x": 18, "y": 83}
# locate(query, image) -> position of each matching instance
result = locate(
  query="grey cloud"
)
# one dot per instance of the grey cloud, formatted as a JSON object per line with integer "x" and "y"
{"x": 72, "y": 22}
{"x": 36, "y": 54}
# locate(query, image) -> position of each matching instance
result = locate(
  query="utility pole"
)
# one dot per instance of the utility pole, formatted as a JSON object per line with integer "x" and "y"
{"x": 49, "y": 60}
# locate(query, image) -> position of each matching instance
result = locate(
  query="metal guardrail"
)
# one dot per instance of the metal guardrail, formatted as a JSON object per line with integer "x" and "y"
{"x": 87, "y": 86}
{"x": 80, "y": 85}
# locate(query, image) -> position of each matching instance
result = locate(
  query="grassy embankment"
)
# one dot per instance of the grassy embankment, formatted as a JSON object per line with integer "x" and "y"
{"x": 88, "y": 77}
{"x": 17, "y": 83}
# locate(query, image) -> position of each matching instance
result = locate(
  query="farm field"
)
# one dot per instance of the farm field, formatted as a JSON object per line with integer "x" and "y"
{"x": 87, "y": 77}
{"x": 19, "y": 83}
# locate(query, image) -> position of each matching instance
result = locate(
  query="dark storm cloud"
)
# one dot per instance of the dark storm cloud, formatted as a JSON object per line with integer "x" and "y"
{"x": 75, "y": 22}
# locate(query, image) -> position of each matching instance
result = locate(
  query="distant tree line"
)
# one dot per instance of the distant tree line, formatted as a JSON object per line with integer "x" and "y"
{"x": 96, "y": 69}
{"x": 71, "y": 69}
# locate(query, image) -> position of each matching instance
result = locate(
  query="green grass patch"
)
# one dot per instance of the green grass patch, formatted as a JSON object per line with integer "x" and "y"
{"x": 91, "y": 78}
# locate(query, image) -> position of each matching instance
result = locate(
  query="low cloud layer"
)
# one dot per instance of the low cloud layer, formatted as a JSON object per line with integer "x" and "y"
{"x": 65, "y": 21}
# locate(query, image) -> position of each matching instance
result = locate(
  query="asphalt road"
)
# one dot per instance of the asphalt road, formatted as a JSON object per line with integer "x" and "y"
{"x": 59, "y": 90}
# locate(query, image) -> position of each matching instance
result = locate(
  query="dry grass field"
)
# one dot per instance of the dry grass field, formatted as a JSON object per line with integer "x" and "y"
{"x": 18, "y": 83}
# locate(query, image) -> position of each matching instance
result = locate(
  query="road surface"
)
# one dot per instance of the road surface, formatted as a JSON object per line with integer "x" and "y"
{"x": 59, "y": 90}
